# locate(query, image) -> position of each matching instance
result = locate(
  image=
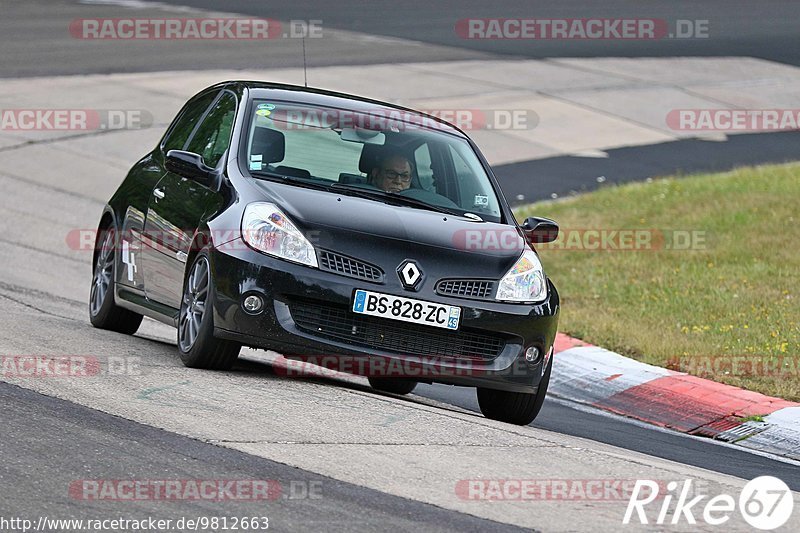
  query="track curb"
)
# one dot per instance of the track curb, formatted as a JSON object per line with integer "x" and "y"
{"x": 606, "y": 380}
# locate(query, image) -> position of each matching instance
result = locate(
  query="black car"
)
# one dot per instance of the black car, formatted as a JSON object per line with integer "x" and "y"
{"x": 330, "y": 227}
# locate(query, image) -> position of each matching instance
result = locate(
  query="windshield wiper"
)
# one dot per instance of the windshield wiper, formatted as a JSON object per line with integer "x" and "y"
{"x": 393, "y": 197}
{"x": 294, "y": 180}
{"x": 356, "y": 191}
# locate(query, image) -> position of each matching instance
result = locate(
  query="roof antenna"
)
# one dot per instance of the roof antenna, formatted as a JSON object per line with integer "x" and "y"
{"x": 305, "y": 70}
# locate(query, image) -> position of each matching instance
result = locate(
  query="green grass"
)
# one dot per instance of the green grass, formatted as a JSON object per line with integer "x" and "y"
{"x": 715, "y": 310}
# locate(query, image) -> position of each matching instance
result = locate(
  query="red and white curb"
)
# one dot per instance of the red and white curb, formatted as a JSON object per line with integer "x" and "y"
{"x": 594, "y": 376}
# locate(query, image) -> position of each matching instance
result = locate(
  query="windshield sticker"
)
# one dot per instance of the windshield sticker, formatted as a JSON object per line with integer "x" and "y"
{"x": 481, "y": 200}
{"x": 266, "y": 106}
{"x": 263, "y": 112}
{"x": 255, "y": 162}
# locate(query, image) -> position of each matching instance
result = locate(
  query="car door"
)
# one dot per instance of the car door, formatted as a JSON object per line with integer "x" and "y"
{"x": 179, "y": 202}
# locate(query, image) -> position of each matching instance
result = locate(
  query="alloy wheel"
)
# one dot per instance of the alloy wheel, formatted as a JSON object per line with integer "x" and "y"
{"x": 193, "y": 306}
{"x": 103, "y": 274}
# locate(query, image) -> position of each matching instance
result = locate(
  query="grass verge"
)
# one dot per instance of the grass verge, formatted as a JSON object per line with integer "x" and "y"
{"x": 715, "y": 293}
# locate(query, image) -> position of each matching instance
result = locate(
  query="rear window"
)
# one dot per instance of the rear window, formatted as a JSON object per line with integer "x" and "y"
{"x": 321, "y": 152}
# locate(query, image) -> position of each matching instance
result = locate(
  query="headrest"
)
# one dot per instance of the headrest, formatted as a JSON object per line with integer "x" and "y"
{"x": 370, "y": 155}
{"x": 270, "y": 144}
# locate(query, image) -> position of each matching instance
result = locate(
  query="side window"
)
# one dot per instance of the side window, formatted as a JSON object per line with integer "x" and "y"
{"x": 184, "y": 125}
{"x": 213, "y": 136}
{"x": 422, "y": 161}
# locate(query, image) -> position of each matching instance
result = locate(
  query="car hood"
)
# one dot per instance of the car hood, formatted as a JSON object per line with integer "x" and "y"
{"x": 387, "y": 234}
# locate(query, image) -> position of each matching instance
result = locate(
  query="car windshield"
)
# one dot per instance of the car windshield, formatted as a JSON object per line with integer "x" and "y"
{"x": 385, "y": 151}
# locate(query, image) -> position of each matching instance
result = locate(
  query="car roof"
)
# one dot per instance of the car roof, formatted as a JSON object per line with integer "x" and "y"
{"x": 325, "y": 98}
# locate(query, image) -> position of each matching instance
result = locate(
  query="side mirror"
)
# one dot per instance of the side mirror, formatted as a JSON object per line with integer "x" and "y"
{"x": 190, "y": 165}
{"x": 540, "y": 229}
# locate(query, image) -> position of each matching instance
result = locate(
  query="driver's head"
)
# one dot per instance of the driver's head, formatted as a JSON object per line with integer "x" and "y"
{"x": 393, "y": 173}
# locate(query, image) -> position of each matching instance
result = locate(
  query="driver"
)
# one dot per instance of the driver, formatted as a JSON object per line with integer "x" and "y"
{"x": 393, "y": 173}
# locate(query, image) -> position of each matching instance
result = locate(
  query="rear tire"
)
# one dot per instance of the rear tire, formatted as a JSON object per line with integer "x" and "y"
{"x": 518, "y": 408}
{"x": 196, "y": 342}
{"x": 393, "y": 385}
{"x": 104, "y": 313}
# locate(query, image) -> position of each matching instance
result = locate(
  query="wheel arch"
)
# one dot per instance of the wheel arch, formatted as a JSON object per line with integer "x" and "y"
{"x": 200, "y": 240}
{"x": 107, "y": 219}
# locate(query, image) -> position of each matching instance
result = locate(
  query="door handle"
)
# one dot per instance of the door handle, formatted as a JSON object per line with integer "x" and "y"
{"x": 158, "y": 193}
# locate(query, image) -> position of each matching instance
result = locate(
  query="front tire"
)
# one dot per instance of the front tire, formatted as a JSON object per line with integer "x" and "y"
{"x": 196, "y": 342}
{"x": 393, "y": 385}
{"x": 518, "y": 408}
{"x": 104, "y": 313}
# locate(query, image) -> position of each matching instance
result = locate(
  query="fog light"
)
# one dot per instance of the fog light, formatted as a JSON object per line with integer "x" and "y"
{"x": 532, "y": 354}
{"x": 253, "y": 304}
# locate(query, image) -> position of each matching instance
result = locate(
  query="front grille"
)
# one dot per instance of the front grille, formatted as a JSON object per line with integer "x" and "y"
{"x": 340, "y": 324}
{"x": 465, "y": 288}
{"x": 341, "y": 264}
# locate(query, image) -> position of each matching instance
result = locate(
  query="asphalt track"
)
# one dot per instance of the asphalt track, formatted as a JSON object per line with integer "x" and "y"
{"x": 570, "y": 419}
{"x": 765, "y": 30}
{"x": 36, "y": 42}
{"x": 541, "y": 179}
{"x": 47, "y": 442}
{"x": 35, "y": 39}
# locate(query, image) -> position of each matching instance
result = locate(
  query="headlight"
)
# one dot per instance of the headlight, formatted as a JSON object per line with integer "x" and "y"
{"x": 268, "y": 230}
{"x": 525, "y": 282}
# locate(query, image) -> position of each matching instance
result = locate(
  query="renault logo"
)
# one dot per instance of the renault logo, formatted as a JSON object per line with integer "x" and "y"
{"x": 410, "y": 274}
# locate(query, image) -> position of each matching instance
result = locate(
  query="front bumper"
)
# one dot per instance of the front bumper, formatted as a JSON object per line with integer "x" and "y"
{"x": 378, "y": 345}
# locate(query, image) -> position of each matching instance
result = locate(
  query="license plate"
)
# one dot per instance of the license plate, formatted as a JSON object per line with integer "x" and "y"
{"x": 406, "y": 309}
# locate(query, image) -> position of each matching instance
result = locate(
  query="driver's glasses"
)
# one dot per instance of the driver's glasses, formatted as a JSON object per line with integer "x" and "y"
{"x": 391, "y": 175}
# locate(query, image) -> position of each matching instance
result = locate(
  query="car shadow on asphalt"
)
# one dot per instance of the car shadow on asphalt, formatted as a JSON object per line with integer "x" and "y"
{"x": 249, "y": 368}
